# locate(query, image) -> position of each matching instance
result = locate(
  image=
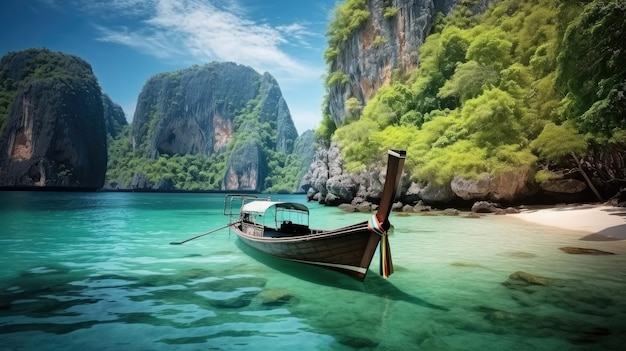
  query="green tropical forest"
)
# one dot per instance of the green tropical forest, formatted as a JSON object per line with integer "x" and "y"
{"x": 195, "y": 172}
{"x": 526, "y": 84}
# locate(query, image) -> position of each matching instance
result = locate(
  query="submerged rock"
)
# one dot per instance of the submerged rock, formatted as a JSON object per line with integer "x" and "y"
{"x": 525, "y": 278}
{"x": 519, "y": 254}
{"x": 583, "y": 251}
{"x": 276, "y": 297}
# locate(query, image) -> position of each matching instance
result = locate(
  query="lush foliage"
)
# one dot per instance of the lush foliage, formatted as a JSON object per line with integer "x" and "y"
{"x": 486, "y": 88}
{"x": 186, "y": 172}
{"x": 592, "y": 70}
{"x": 556, "y": 142}
{"x": 390, "y": 12}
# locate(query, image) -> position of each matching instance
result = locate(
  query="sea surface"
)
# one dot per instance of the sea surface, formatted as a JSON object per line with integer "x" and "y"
{"x": 96, "y": 271}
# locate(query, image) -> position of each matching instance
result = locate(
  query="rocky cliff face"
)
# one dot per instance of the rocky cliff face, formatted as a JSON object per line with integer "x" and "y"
{"x": 386, "y": 45}
{"x": 273, "y": 110}
{"x": 201, "y": 110}
{"x": 192, "y": 111}
{"x": 381, "y": 47}
{"x": 114, "y": 117}
{"x": 54, "y": 134}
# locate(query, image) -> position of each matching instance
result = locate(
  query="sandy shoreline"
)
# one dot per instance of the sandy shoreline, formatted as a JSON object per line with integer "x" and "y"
{"x": 599, "y": 221}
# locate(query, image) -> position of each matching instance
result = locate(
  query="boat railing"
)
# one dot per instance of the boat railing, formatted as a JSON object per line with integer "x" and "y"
{"x": 234, "y": 202}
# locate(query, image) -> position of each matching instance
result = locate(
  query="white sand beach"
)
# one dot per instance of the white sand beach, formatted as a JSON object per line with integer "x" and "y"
{"x": 600, "y": 221}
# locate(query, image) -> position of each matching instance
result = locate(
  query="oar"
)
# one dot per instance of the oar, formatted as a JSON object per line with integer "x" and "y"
{"x": 197, "y": 236}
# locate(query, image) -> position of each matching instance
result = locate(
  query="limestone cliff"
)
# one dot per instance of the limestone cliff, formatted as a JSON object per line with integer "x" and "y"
{"x": 204, "y": 109}
{"x": 54, "y": 135}
{"x": 114, "y": 117}
{"x": 383, "y": 45}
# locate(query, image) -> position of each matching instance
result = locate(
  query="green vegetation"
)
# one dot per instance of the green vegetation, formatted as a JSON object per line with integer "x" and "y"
{"x": 493, "y": 91}
{"x": 327, "y": 127}
{"x": 591, "y": 71}
{"x": 285, "y": 173}
{"x": 186, "y": 172}
{"x": 336, "y": 78}
{"x": 379, "y": 40}
{"x": 390, "y": 12}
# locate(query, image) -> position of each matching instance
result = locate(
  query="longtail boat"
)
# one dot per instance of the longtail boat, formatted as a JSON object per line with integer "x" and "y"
{"x": 282, "y": 229}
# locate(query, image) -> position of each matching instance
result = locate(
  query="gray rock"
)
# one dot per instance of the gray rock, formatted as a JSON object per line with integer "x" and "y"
{"x": 470, "y": 189}
{"x": 246, "y": 168}
{"x": 485, "y": 207}
{"x": 420, "y": 207}
{"x": 525, "y": 278}
{"x": 397, "y": 206}
{"x": 332, "y": 199}
{"x": 273, "y": 110}
{"x": 342, "y": 186}
{"x": 310, "y": 194}
{"x": 511, "y": 210}
{"x": 365, "y": 207}
{"x": 347, "y": 207}
{"x": 412, "y": 193}
{"x": 369, "y": 66}
{"x": 507, "y": 186}
{"x": 566, "y": 186}
{"x": 433, "y": 193}
{"x": 451, "y": 212}
{"x": 276, "y": 297}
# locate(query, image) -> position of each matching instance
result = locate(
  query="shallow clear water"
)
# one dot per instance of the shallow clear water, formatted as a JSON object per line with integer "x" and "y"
{"x": 96, "y": 271}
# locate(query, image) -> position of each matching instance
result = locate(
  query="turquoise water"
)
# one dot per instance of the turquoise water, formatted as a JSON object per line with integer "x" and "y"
{"x": 86, "y": 271}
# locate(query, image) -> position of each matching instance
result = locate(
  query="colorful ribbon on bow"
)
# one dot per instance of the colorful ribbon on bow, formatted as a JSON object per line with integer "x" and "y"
{"x": 386, "y": 263}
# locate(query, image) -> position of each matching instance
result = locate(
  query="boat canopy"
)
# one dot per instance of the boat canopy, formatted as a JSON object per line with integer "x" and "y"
{"x": 260, "y": 207}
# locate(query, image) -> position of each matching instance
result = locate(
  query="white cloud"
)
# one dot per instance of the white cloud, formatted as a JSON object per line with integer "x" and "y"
{"x": 203, "y": 31}
{"x": 200, "y": 31}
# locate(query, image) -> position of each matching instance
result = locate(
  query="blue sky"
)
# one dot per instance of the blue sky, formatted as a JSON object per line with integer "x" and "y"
{"x": 128, "y": 41}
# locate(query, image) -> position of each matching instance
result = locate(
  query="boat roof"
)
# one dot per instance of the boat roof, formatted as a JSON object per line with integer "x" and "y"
{"x": 262, "y": 206}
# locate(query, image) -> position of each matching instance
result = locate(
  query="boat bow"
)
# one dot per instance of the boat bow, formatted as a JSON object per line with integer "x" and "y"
{"x": 379, "y": 223}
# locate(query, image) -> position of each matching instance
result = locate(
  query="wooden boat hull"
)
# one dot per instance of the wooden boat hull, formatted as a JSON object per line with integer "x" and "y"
{"x": 347, "y": 250}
